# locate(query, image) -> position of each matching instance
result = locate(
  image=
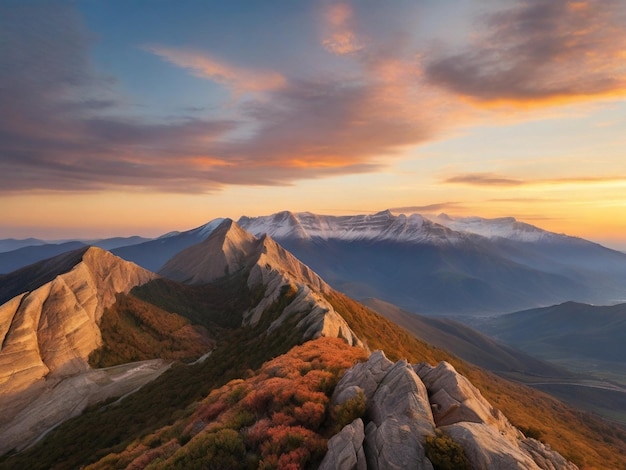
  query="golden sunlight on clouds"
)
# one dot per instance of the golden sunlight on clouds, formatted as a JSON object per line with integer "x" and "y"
{"x": 240, "y": 80}
{"x": 538, "y": 54}
{"x": 490, "y": 179}
{"x": 340, "y": 37}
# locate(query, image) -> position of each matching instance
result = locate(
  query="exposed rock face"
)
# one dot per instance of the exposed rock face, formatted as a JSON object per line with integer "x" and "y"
{"x": 230, "y": 249}
{"x": 345, "y": 449}
{"x": 398, "y": 410}
{"x": 54, "y": 328}
{"x": 48, "y": 333}
{"x": 455, "y": 399}
{"x": 398, "y": 419}
{"x": 226, "y": 251}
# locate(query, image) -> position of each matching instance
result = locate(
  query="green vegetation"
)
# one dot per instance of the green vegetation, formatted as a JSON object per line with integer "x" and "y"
{"x": 220, "y": 412}
{"x": 348, "y": 411}
{"x": 445, "y": 454}
{"x": 134, "y": 330}
{"x": 216, "y": 306}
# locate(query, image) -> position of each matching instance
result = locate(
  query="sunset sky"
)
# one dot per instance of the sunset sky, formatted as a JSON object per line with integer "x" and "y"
{"x": 141, "y": 117}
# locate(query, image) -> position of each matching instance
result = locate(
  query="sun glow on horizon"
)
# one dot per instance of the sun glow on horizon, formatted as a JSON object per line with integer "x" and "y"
{"x": 121, "y": 127}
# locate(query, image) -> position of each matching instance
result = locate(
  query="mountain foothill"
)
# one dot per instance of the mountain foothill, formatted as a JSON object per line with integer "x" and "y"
{"x": 298, "y": 340}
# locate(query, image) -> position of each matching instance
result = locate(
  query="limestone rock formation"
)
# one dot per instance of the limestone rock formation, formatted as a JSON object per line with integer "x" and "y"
{"x": 345, "y": 449}
{"x": 398, "y": 410}
{"x": 54, "y": 328}
{"x": 48, "y": 333}
{"x": 399, "y": 400}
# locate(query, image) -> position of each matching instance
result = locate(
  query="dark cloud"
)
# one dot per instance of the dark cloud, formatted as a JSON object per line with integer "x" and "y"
{"x": 484, "y": 179}
{"x": 540, "y": 50}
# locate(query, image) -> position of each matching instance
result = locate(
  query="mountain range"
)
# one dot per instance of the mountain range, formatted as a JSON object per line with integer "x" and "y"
{"x": 446, "y": 265}
{"x": 431, "y": 265}
{"x": 211, "y": 342}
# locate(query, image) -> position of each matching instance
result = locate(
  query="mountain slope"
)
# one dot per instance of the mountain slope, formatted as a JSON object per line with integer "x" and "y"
{"x": 50, "y": 328}
{"x": 10, "y": 244}
{"x": 424, "y": 266}
{"x": 153, "y": 254}
{"x": 268, "y": 267}
{"x": 16, "y": 259}
{"x": 468, "y": 344}
{"x": 568, "y": 330}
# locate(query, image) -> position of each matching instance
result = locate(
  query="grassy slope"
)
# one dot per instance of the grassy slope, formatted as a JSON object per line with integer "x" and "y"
{"x": 135, "y": 330}
{"x": 584, "y": 439}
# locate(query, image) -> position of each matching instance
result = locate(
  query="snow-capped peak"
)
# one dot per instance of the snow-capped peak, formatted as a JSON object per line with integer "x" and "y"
{"x": 205, "y": 230}
{"x": 380, "y": 226}
{"x": 502, "y": 227}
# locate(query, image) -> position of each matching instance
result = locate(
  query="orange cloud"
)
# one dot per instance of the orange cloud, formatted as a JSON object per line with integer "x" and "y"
{"x": 201, "y": 65}
{"x": 540, "y": 53}
{"x": 484, "y": 179}
{"x": 491, "y": 179}
{"x": 340, "y": 38}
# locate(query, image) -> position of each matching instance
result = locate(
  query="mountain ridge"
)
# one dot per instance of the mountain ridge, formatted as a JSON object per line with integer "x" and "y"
{"x": 289, "y": 304}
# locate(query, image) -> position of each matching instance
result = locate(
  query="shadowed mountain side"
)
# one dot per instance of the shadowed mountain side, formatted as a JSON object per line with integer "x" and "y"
{"x": 11, "y": 244}
{"x": 134, "y": 330}
{"x": 31, "y": 277}
{"x": 432, "y": 278}
{"x": 566, "y": 331}
{"x": 154, "y": 254}
{"x": 13, "y": 260}
{"x": 468, "y": 344}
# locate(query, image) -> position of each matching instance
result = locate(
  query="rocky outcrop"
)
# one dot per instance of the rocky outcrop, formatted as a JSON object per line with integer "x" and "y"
{"x": 54, "y": 328}
{"x": 405, "y": 404}
{"x": 48, "y": 333}
{"x": 398, "y": 412}
{"x": 345, "y": 449}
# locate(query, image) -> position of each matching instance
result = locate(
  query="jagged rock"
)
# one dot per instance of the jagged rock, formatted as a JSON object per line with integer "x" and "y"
{"x": 402, "y": 417}
{"x": 364, "y": 375}
{"x": 345, "y": 449}
{"x": 545, "y": 457}
{"x": 399, "y": 399}
{"x": 487, "y": 449}
{"x": 454, "y": 399}
{"x": 490, "y": 441}
{"x": 398, "y": 407}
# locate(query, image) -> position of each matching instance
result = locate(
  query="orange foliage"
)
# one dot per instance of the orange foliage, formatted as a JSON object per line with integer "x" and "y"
{"x": 281, "y": 413}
